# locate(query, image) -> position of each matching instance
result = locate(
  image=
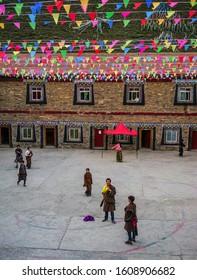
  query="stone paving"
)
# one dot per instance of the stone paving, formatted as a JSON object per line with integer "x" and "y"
{"x": 45, "y": 219}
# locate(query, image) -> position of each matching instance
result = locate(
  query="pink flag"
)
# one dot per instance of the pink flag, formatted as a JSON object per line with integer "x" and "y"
{"x": 17, "y": 24}
{"x": 10, "y": 16}
{"x": 125, "y": 14}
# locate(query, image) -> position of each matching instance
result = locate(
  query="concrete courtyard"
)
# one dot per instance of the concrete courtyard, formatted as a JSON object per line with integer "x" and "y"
{"x": 45, "y": 219}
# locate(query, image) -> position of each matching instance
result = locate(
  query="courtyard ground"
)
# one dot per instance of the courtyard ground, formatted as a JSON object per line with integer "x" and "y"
{"x": 45, "y": 219}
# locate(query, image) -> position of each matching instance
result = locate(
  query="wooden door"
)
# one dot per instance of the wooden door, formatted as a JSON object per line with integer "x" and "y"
{"x": 50, "y": 136}
{"x": 146, "y": 138}
{"x": 4, "y": 136}
{"x": 99, "y": 138}
{"x": 194, "y": 139}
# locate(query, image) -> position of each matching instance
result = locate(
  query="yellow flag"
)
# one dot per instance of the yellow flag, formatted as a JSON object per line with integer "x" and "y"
{"x": 105, "y": 41}
{"x": 29, "y": 49}
{"x": 161, "y": 20}
{"x": 170, "y": 13}
{"x": 67, "y": 8}
{"x": 56, "y": 17}
{"x": 167, "y": 43}
{"x": 155, "y": 5}
{"x": 2, "y": 25}
{"x": 84, "y": 5}
{"x": 110, "y": 50}
{"x": 193, "y": 2}
{"x": 78, "y": 22}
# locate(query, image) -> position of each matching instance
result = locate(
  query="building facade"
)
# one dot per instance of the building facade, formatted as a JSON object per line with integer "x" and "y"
{"x": 75, "y": 114}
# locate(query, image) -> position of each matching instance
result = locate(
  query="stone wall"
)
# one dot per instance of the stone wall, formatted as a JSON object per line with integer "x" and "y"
{"x": 108, "y": 108}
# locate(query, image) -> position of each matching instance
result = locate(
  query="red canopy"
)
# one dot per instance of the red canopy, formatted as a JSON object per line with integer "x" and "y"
{"x": 121, "y": 129}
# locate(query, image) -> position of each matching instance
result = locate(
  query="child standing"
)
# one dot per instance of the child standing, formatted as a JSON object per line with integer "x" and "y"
{"x": 22, "y": 174}
{"x": 88, "y": 182}
{"x": 130, "y": 219}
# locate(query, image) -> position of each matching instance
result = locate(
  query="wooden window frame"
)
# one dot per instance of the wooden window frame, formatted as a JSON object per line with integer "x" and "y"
{"x": 192, "y": 101}
{"x": 138, "y": 101}
{"x": 29, "y": 93}
{"x": 67, "y": 139}
{"x": 77, "y": 93}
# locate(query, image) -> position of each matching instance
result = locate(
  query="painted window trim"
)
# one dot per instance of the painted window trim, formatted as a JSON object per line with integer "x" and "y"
{"x": 76, "y": 100}
{"x": 193, "y": 102}
{"x": 163, "y": 142}
{"x": 19, "y": 131}
{"x": 66, "y": 131}
{"x": 141, "y": 102}
{"x": 28, "y": 94}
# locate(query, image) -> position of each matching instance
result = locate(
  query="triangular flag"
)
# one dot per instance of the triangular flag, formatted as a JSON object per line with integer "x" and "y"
{"x": 104, "y": 2}
{"x": 67, "y": 8}
{"x": 2, "y": 9}
{"x": 186, "y": 47}
{"x": 17, "y": 24}
{"x": 63, "y": 53}
{"x": 126, "y": 22}
{"x": 62, "y": 22}
{"x": 126, "y": 50}
{"x": 32, "y": 17}
{"x": 33, "y": 9}
{"x": 78, "y": 22}
{"x": 32, "y": 53}
{"x": 72, "y": 16}
{"x": 148, "y": 14}
{"x": 29, "y": 49}
{"x": 84, "y": 5}
{"x": 50, "y": 9}
{"x": 10, "y": 17}
{"x": 109, "y": 14}
{"x": 125, "y": 14}
{"x": 193, "y": 2}
{"x": 94, "y": 22}
{"x": 59, "y": 4}
{"x": 38, "y": 6}
{"x": 56, "y": 48}
{"x": 2, "y": 25}
{"x": 193, "y": 20}
{"x": 191, "y": 13}
{"x": 110, "y": 50}
{"x": 110, "y": 22}
{"x": 159, "y": 48}
{"x": 126, "y": 2}
{"x": 176, "y": 20}
{"x": 137, "y": 5}
{"x": 18, "y": 8}
{"x": 173, "y": 4}
{"x": 170, "y": 13}
{"x": 92, "y": 15}
{"x": 143, "y": 21}
{"x": 173, "y": 47}
{"x": 56, "y": 17}
{"x": 148, "y": 3}
{"x": 161, "y": 20}
{"x": 118, "y": 6}
{"x": 33, "y": 25}
{"x": 155, "y": 5}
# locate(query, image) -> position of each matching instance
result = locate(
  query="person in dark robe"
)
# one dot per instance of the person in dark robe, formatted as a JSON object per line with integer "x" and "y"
{"x": 18, "y": 153}
{"x": 88, "y": 182}
{"x": 181, "y": 146}
{"x": 28, "y": 155}
{"x": 118, "y": 149}
{"x": 130, "y": 219}
{"x": 22, "y": 174}
{"x": 109, "y": 193}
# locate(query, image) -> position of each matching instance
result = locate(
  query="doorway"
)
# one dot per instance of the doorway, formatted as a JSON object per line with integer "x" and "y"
{"x": 99, "y": 138}
{"x": 194, "y": 139}
{"x": 4, "y": 136}
{"x": 50, "y": 136}
{"x": 146, "y": 138}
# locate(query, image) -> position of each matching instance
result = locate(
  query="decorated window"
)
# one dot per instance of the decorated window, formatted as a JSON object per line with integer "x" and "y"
{"x": 83, "y": 93}
{"x": 36, "y": 93}
{"x": 26, "y": 134}
{"x": 185, "y": 93}
{"x": 133, "y": 93}
{"x": 73, "y": 134}
{"x": 171, "y": 136}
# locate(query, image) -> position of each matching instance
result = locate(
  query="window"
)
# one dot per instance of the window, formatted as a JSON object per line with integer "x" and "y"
{"x": 26, "y": 134}
{"x": 73, "y": 134}
{"x": 83, "y": 93}
{"x": 185, "y": 94}
{"x": 122, "y": 138}
{"x": 134, "y": 94}
{"x": 170, "y": 136}
{"x": 36, "y": 93}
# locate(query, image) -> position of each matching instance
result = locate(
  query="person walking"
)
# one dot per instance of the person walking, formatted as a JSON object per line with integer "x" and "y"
{"x": 108, "y": 201}
{"x": 181, "y": 146}
{"x": 18, "y": 153}
{"x": 28, "y": 155}
{"x": 88, "y": 182}
{"x": 22, "y": 174}
{"x": 118, "y": 152}
{"x": 130, "y": 219}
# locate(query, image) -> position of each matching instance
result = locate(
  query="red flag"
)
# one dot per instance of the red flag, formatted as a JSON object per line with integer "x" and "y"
{"x": 92, "y": 15}
{"x": 72, "y": 16}
{"x": 50, "y": 9}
